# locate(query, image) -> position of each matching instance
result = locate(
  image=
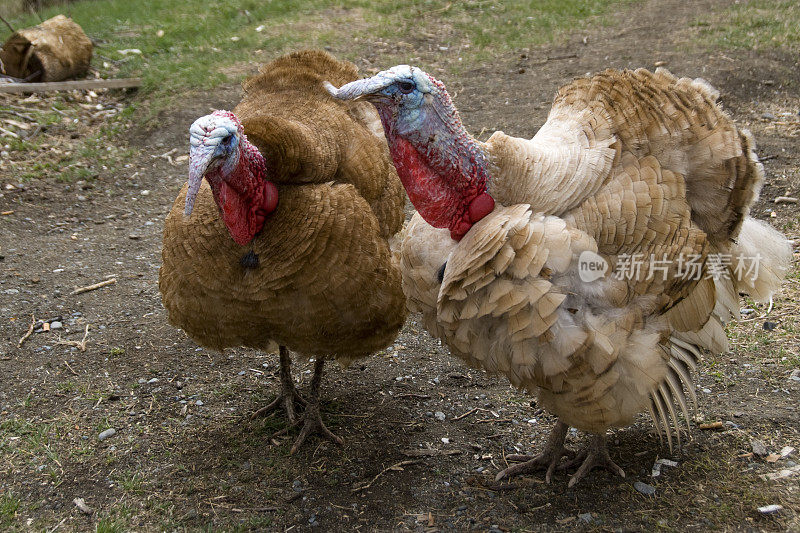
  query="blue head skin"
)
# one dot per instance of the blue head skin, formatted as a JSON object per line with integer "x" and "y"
{"x": 236, "y": 172}
{"x": 443, "y": 169}
{"x": 411, "y": 104}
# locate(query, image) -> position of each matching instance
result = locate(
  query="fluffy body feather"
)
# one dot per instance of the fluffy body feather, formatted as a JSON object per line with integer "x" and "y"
{"x": 630, "y": 164}
{"x": 319, "y": 277}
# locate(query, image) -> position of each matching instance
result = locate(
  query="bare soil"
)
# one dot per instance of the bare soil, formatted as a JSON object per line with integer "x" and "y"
{"x": 185, "y": 454}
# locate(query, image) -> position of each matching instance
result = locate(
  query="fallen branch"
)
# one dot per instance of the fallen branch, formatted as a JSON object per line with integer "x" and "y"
{"x": 785, "y": 200}
{"x": 10, "y": 27}
{"x": 70, "y": 369}
{"x": 459, "y": 417}
{"x": 120, "y": 83}
{"x": 6, "y": 132}
{"x": 93, "y": 287}
{"x": 81, "y": 345}
{"x": 396, "y": 466}
{"x": 28, "y": 333}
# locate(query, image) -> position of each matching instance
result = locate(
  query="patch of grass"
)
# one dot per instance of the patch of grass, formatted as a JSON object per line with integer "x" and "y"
{"x": 130, "y": 482}
{"x": 187, "y": 45}
{"x": 110, "y": 525}
{"x": 753, "y": 24}
{"x": 9, "y": 504}
{"x": 115, "y": 351}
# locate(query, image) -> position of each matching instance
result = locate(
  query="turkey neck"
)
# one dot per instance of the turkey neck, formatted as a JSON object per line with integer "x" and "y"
{"x": 443, "y": 169}
{"x": 245, "y": 197}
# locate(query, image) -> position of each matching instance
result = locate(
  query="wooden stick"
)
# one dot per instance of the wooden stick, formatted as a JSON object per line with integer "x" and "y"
{"x": 393, "y": 467}
{"x": 28, "y": 333}
{"x": 10, "y": 27}
{"x": 459, "y": 417}
{"x": 70, "y": 369}
{"x": 120, "y": 83}
{"x": 93, "y": 287}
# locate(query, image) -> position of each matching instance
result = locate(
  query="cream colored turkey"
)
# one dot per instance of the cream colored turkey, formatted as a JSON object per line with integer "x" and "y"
{"x": 638, "y": 171}
{"x": 285, "y": 241}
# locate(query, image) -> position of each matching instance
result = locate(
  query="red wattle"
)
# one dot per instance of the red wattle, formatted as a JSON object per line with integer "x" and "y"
{"x": 270, "y": 197}
{"x": 435, "y": 197}
{"x": 481, "y": 206}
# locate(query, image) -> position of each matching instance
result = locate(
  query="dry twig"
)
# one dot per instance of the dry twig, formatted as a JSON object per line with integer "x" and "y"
{"x": 81, "y": 344}
{"x": 93, "y": 287}
{"x": 396, "y": 466}
{"x": 459, "y": 417}
{"x": 28, "y": 333}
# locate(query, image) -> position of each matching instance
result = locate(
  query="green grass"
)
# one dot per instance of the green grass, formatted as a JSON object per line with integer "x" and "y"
{"x": 753, "y": 24}
{"x": 9, "y": 504}
{"x": 187, "y": 45}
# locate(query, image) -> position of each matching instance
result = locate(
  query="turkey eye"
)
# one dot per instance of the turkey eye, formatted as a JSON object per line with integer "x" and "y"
{"x": 405, "y": 87}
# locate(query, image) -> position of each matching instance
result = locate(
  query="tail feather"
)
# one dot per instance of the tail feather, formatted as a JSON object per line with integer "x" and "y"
{"x": 760, "y": 259}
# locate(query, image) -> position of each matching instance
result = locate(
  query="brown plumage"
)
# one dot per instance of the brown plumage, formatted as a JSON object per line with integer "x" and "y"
{"x": 629, "y": 162}
{"x": 318, "y": 279}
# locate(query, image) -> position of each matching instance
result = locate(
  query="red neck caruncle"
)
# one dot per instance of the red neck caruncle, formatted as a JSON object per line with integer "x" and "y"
{"x": 443, "y": 169}
{"x": 243, "y": 194}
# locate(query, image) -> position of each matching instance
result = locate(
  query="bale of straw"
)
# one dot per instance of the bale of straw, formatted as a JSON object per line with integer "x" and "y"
{"x": 55, "y": 50}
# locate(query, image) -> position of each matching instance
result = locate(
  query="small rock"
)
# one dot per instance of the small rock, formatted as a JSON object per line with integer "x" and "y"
{"x": 134, "y": 237}
{"x": 199, "y": 403}
{"x": 440, "y": 416}
{"x": 56, "y": 325}
{"x": 786, "y": 451}
{"x": 445, "y": 440}
{"x": 707, "y": 391}
{"x": 82, "y": 507}
{"x": 141, "y": 381}
{"x": 110, "y": 432}
{"x": 746, "y": 310}
{"x": 769, "y": 326}
{"x": 153, "y": 380}
{"x": 145, "y": 193}
{"x": 795, "y": 375}
{"x": 644, "y": 488}
{"x": 462, "y": 508}
{"x": 769, "y": 116}
{"x": 297, "y": 485}
{"x": 758, "y": 448}
{"x": 586, "y": 517}
{"x": 770, "y": 509}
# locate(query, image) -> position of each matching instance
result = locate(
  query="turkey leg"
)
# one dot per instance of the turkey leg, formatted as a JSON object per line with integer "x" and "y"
{"x": 595, "y": 454}
{"x": 288, "y": 394}
{"x": 312, "y": 420}
{"x": 554, "y": 450}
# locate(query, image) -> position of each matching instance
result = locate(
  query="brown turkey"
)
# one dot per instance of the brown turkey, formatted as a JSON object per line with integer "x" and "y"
{"x": 285, "y": 241}
{"x": 617, "y": 248}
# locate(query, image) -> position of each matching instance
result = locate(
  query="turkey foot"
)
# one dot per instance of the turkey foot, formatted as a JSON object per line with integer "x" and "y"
{"x": 554, "y": 450}
{"x": 288, "y": 395}
{"x": 594, "y": 455}
{"x": 311, "y": 419}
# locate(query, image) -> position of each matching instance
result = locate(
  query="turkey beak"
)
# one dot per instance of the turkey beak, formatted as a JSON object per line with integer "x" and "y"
{"x": 200, "y": 157}
{"x": 368, "y": 89}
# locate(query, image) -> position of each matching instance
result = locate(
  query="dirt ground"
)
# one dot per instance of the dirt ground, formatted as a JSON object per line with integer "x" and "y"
{"x": 186, "y": 455}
